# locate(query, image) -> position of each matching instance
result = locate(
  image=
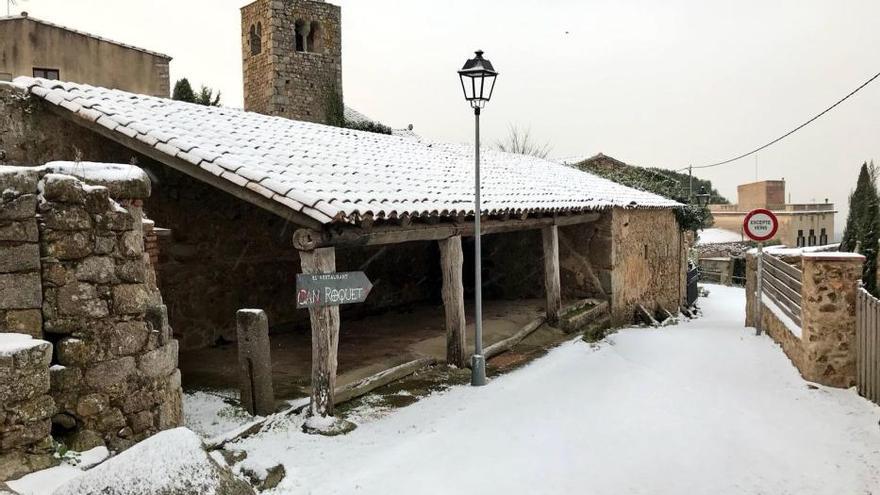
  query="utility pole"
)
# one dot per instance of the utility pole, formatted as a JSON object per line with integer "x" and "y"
{"x": 691, "y": 185}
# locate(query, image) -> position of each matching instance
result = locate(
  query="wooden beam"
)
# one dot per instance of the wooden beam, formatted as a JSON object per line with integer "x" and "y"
{"x": 451, "y": 261}
{"x": 552, "y": 286}
{"x": 325, "y": 336}
{"x": 354, "y": 236}
{"x": 191, "y": 170}
{"x": 508, "y": 343}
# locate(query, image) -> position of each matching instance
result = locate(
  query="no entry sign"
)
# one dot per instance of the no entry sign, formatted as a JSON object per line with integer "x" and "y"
{"x": 331, "y": 289}
{"x": 760, "y": 225}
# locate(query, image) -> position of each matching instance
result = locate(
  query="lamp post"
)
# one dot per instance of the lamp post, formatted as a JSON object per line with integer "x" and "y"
{"x": 477, "y": 81}
{"x": 703, "y": 197}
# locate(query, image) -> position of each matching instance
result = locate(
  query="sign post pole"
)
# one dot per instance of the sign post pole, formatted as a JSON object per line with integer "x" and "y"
{"x": 760, "y": 225}
{"x": 759, "y": 291}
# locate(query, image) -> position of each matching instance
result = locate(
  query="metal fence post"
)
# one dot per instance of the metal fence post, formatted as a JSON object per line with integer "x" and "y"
{"x": 759, "y": 289}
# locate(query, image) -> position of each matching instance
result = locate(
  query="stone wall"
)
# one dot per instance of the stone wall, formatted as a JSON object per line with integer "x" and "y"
{"x": 114, "y": 378}
{"x": 825, "y": 351}
{"x": 25, "y": 406}
{"x": 21, "y": 296}
{"x": 648, "y": 262}
{"x": 282, "y": 80}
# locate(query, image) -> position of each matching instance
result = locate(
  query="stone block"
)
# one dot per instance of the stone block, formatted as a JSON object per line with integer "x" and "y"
{"x": 76, "y": 352}
{"x": 159, "y": 362}
{"x": 64, "y": 378}
{"x": 105, "y": 244}
{"x": 68, "y": 245}
{"x": 128, "y": 337}
{"x": 92, "y": 405}
{"x": 24, "y": 435}
{"x": 97, "y": 199}
{"x": 18, "y": 207}
{"x": 19, "y": 258}
{"x": 65, "y": 217}
{"x": 81, "y": 299}
{"x": 19, "y": 231}
{"x": 110, "y": 376}
{"x": 141, "y": 421}
{"x": 132, "y": 271}
{"x": 115, "y": 220}
{"x": 83, "y": 440}
{"x": 54, "y": 272}
{"x": 130, "y": 299}
{"x": 131, "y": 244}
{"x": 20, "y": 291}
{"x": 27, "y": 321}
{"x": 63, "y": 189}
{"x": 96, "y": 269}
{"x": 19, "y": 179}
{"x": 36, "y": 409}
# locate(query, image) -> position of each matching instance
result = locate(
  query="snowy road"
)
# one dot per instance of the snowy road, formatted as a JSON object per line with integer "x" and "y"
{"x": 705, "y": 407}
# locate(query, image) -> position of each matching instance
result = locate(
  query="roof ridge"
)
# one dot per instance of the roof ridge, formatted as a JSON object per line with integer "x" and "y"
{"x": 84, "y": 33}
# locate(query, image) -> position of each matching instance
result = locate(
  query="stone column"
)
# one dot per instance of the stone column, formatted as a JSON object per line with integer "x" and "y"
{"x": 21, "y": 295}
{"x": 255, "y": 362}
{"x": 830, "y": 285}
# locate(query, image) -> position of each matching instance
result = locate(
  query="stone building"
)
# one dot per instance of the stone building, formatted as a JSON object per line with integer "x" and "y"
{"x": 292, "y": 59}
{"x": 801, "y": 224}
{"x": 75, "y": 279}
{"x": 33, "y": 47}
{"x": 252, "y": 200}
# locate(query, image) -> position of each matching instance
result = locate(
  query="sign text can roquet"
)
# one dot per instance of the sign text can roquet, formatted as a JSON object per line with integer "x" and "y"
{"x": 331, "y": 289}
{"x": 760, "y": 225}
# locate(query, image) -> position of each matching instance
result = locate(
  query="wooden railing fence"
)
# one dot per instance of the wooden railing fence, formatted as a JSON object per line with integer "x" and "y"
{"x": 782, "y": 283}
{"x": 868, "y": 346}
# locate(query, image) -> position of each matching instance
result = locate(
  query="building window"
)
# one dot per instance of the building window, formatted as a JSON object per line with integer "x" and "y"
{"x": 823, "y": 237}
{"x": 315, "y": 39}
{"x": 47, "y": 73}
{"x": 301, "y": 34}
{"x": 256, "y": 39}
{"x": 800, "y": 238}
{"x": 811, "y": 241}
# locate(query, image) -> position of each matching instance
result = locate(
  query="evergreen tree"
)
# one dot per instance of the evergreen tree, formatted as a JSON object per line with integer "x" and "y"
{"x": 183, "y": 91}
{"x": 863, "y": 225}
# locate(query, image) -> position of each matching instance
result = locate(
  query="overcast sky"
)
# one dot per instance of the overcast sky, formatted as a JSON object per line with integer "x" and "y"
{"x": 661, "y": 83}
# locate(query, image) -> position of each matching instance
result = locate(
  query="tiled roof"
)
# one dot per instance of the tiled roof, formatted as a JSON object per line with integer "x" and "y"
{"x": 83, "y": 33}
{"x": 335, "y": 174}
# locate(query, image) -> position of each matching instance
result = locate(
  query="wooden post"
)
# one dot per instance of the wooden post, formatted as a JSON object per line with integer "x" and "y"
{"x": 325, "y": 335}
{"x": 451, "y": 261}
{"x": 255, "y": 363}
{"x": 551, "y": 272}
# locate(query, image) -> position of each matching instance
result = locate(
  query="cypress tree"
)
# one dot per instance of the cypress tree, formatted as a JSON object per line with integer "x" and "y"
{"x": 863, "y": 225}
{"x": 183, "y": 91}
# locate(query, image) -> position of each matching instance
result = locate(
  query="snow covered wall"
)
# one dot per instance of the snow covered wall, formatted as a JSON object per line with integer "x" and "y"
{"x": 73, "y": 271}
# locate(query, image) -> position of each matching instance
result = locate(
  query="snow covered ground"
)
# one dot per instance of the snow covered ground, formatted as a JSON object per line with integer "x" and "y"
{"x": 705, "y": 407}
{"x": 718, "y": 236}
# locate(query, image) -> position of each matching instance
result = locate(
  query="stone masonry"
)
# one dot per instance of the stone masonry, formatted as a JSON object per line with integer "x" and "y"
{"x": 825, "y": 351}
{"x": 297, "y": 79}
{"x": 114, "y": 377}
{"x": 25, "y": 406}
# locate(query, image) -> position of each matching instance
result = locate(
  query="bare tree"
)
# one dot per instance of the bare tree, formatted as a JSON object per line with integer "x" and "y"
{"x": 519, "y": 140}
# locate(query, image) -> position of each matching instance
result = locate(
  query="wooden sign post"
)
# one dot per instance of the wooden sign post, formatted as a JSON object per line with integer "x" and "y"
{"x": 760, "y": 225}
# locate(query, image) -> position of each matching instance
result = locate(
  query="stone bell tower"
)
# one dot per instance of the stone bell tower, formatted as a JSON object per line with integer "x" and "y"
{"x": 292, "y": 59}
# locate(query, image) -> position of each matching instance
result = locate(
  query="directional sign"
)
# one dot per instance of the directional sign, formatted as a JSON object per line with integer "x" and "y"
{"x": 331, "y": 289}
{"x": 760, "y": 225}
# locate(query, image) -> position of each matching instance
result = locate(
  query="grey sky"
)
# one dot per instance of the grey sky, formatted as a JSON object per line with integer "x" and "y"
{"x": 662, "y": 83}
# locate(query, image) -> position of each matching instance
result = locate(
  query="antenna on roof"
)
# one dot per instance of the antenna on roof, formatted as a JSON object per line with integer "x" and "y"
{"x": 9, "y": 4}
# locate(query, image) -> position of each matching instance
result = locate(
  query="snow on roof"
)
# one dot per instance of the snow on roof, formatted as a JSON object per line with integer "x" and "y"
{"x": 336, "y": 174}
{"x": 718, "y": 236}
{"x": 90, "y": 35}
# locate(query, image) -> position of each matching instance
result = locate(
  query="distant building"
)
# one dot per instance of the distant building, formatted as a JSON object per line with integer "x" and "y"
{"x": 36, "y": 48}
{"x": 800, "y": 224}
{"x": 292, "y": 59}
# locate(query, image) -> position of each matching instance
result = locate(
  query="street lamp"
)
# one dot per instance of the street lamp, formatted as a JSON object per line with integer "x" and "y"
{"x": 703, "y": 197}
{"x": 477, "y": 82}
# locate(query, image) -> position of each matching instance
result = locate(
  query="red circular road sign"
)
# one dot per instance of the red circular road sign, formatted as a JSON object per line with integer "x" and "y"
{"x": 760, "y": 225}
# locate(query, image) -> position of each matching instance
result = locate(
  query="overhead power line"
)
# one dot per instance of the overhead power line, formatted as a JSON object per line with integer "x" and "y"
{"x": 789, "y": 133}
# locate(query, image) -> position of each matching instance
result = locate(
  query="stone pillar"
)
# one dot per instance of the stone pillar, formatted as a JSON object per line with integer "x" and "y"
{"x": 255, "y": 362}
{"x": 830, "y": 285}
{"x": 25, "y": 406}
